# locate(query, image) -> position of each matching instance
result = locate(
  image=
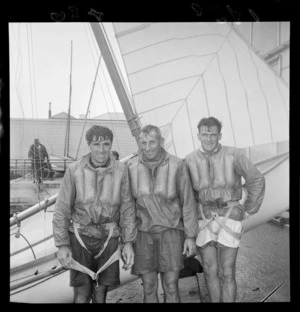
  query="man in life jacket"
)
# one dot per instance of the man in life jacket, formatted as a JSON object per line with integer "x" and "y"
{"x": 166, "y": 215}
{"x": 38, "y": 153}
{"x": 94, "y": 207}
{"x": 216, "y": 173}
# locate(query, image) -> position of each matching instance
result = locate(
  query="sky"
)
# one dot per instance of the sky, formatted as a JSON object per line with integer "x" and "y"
{"x": 40, "y": 66}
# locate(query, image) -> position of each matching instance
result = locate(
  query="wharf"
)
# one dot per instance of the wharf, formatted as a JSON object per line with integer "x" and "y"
{"x": 24, "y": 193}
{"x": 263, "y": 264}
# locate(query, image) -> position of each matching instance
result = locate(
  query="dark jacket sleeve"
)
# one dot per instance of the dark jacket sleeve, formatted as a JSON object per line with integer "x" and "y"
{"x": 30, "y": 152}
{"x": 254, "y": 182}
{"x": 62, "y": 210}
{"x": 45, "y": 152}
{"x": 127, "y": 211}
{"x": 187, "y": 199}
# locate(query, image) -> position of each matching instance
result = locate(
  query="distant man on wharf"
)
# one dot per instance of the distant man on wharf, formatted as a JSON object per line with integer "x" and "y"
{"x": 94, "y": 207}
{"x": 166, "y": 215}
{"x": 38, "y": 153}
{"x": 216, "y": 173}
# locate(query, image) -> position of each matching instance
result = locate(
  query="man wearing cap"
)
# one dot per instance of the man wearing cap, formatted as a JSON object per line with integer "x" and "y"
{"x": 37, "y": 153}
{"x": 94, "y": 207}
{"x": 166, "y": 215}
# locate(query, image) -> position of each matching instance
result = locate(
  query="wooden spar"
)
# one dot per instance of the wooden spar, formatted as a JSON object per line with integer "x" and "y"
{"x": 50, "y": 201}
{"x": 44, "y": 204}
{"x": 66, "y": 151}
{"x": 116, "y": 80}
{"x": 33, "y": 210}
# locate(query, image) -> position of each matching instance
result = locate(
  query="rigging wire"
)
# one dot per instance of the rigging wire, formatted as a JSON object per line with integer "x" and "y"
{"x": 66, "y": 150}
{"x": 33, "y": 72}
{"x": 87, "y": 111}
{"x": 18, "y": 233}
{"x": 19, "y": 57}
{"x": 105, "y": 99}
{"x": 29, "y": 62}
{"x": 17, "y": 80}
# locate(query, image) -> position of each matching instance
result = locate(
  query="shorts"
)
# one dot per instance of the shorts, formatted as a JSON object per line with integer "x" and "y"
{"x": 160, "y": 252}
{"x": 109, "y": 277}
{"x": 224, "y": 238}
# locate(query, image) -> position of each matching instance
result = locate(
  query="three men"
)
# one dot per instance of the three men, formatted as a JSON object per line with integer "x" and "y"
{"x": 216, "y": 173}
{"x": 93, "y": 209}
{"x": 37, "y": 153}
{"x": 166, "y": 215}
{"x": 152, "y": 203}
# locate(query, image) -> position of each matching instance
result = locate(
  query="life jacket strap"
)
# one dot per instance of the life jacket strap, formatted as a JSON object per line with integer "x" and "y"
{"x": 221, "y": 223}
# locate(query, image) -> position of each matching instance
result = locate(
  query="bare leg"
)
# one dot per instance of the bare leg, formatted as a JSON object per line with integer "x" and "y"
{"x": 150, "y": 283}
{"x": 170, "y": 286}
{"x": 82, "y": 294}
{"x": 228, "y": 261}
{"x": 209, "y": 255}
{"x": 99, "y": 293}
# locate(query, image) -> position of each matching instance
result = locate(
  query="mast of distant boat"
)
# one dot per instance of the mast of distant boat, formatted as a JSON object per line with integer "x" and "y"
{"x": 67, "y": 139}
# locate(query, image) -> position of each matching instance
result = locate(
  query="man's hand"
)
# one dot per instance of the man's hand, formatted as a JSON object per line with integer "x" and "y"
{"x": 64, "y": 256}
{"x": 189, "y": 247}
{"x": 127, "y": 255}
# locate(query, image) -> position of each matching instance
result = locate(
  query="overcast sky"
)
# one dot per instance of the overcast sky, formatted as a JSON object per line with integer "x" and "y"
{"x": 40, "y": 62}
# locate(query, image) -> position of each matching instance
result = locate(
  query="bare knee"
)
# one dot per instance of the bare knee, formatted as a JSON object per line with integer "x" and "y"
{"x": 171, "y": 287}
{"x": 99, "y": 294}
{"x": 82, "y": 294}
{"x": 210, "y": 268}
{"x": 149, "y": 287}
{"x": 228, "y": 274}
{"x": 81, "y": 298}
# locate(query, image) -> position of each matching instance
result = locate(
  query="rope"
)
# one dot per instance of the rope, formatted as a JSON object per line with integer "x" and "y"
{"x": 18, "y": 234}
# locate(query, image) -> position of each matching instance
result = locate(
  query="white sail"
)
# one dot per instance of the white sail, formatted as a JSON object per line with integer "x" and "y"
{"x": 181, "y": 72}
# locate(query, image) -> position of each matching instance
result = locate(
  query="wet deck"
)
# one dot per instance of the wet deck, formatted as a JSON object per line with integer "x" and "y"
{"x": 263, "y": 261}
{"x": 263, "y": 264}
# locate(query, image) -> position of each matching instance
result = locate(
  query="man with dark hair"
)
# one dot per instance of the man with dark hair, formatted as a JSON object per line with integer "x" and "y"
{"x": 166, "y": 215}
{"x": 94, "y": 207}
{"x": 38, "y": 153}
{"x": 216, "y": 173}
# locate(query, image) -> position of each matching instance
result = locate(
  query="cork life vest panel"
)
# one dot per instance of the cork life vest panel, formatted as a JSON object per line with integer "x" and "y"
{"x": 92, "y": 187}
{"x": 162, "y": 182}
{"x": 215, "y": 171}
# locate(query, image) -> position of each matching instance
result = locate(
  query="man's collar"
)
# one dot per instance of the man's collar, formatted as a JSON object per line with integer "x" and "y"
{"x": 163, "y": 156}
{"x": 210, "y": 153}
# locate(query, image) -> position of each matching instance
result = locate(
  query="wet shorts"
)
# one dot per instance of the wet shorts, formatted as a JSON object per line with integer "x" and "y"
{"x": 109, "y": 277}
{"x": 224, "y": 238}
{"x": 161, "y": 252}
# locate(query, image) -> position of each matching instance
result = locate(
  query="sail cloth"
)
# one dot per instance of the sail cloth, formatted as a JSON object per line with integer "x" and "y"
{"x": 181, "y": 72}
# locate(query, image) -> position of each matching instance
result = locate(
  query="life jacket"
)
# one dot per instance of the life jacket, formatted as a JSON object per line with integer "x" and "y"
{"x": 213, "y": 176}
{"x": 98, "y": 191}
{"x": 155, "y": 190}
{"x": 160, "y": 181}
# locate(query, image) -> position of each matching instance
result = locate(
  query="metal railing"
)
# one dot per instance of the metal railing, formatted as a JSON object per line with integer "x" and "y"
{"x": 22, "y": 167}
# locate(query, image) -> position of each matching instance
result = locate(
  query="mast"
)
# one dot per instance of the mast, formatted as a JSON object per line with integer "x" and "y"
{"x": 116, "y": 80}
{"x": 88, "y": 108}
{"x": 67, "y": 140}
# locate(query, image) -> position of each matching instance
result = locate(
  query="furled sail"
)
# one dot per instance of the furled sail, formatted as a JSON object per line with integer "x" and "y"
{"x": 181, "y": 72}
